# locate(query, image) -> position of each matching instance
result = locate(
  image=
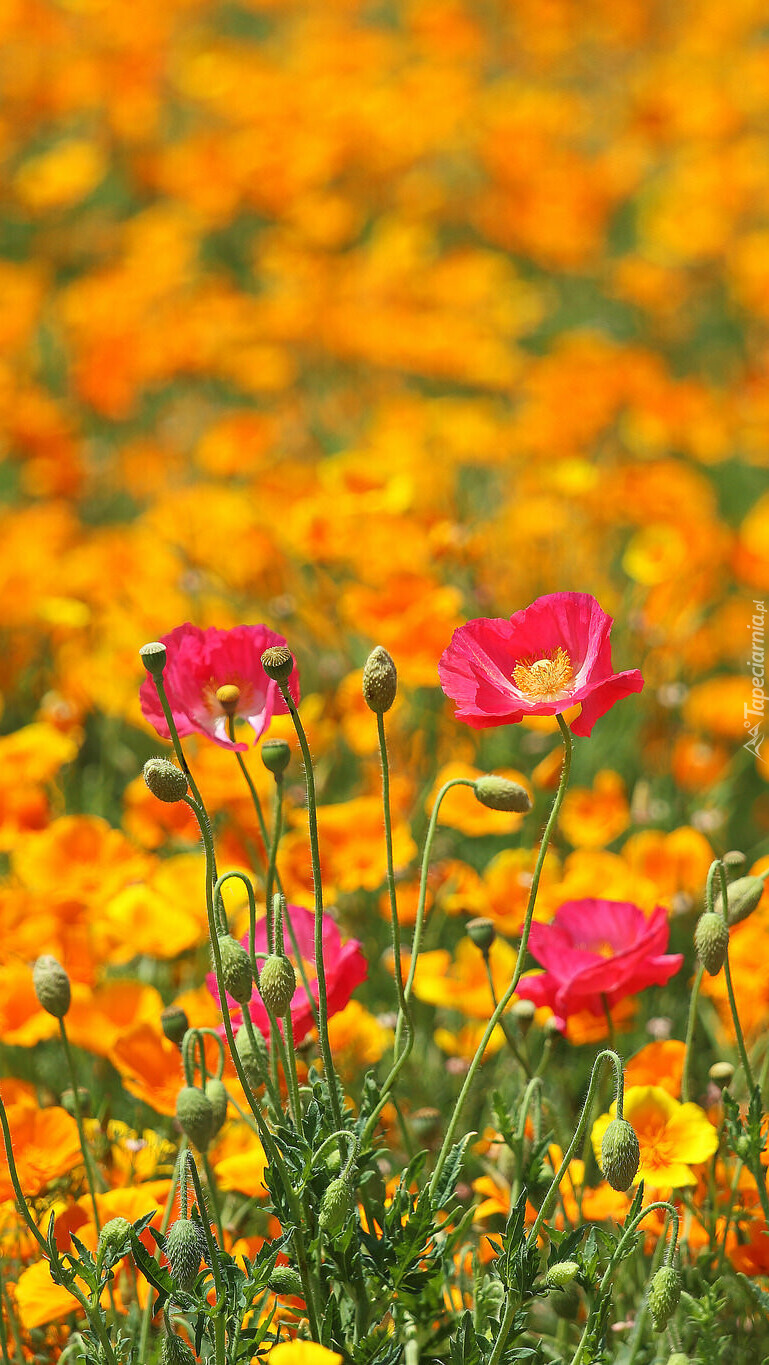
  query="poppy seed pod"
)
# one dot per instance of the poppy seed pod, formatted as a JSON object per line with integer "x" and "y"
{"x": 481, "y": 932}
{"x": 277, "y": 983}
{"x": 499, "y": 793}
{"x": 380, "y": 681}
{"x": 195, "y": 1115}
{"x": 278, "y": 663}
{"x": 184, "y": 1248}
{"x": 174, "y": 1023}
{"x": 711, "y": 941}
{"x": 620, "y": 1154}
{"x": 52, "y": 986}
{"x": 742, "y": 898}
{"x": 236, "y": 969}
{"x": 275, "y": 756}
{"x": 164, "y": 779}
{"x": 154, "y": 656}
{"x": 335, "y": 1207}
{"x": 664, "y": 1293}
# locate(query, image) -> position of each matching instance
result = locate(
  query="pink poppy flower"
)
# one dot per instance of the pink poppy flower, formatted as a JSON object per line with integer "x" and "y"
{"x": 345, "y": 968}
{"x": 545, "y": 659}
{"x": 594, "y": 949}
{"x": 206, "y": 666}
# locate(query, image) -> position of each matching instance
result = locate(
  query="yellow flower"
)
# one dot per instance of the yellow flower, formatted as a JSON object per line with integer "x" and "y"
{"x": 302, "y": 1353}
{"x": 673, "y": 1137}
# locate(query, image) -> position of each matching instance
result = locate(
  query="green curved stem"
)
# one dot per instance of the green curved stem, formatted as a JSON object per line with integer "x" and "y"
{"x": 219, "y": 1338}
{"x": 742, "y": 1050}
{"x": 690, "y": 1023}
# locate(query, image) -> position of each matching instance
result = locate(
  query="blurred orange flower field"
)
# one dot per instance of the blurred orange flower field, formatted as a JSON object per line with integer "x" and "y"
{"x": 363, "y": 320}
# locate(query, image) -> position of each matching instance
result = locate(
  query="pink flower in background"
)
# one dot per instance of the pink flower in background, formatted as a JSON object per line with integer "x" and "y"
{"x": 545, "y": 659}
{"x": 595, "y": 949}
{"x": 201, "y": 663}
{"x": 345, "y": 968}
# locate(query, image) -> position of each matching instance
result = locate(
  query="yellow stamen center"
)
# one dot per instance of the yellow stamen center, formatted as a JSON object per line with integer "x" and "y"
{"x": 228, "y": 697}
{"x": 545, "y": 679}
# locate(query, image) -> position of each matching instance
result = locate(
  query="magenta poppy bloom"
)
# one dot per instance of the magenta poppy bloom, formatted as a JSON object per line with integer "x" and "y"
{"x": 213, "y": 674}
{"x": 546, "y": 658}
{"x": 595, "y": 949}
{"x": 345, "y": 968}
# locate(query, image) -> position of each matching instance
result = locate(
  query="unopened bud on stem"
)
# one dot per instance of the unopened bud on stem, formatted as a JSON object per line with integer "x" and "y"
{"x": 380, "y": 680}
{"x": 52, "y": 986}
{"x": 165, "y": 780}
{"x": 499, "y": 793}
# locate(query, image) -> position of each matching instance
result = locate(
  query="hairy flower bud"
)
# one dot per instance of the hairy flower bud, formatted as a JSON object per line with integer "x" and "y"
{"x": 165, "y": 780}
{"x": 236, "y": 969}
{"x": 742, "y": 898}
{"x": 195, "y": 1115}
{"x": 286, "y": 1282}
{"x": 711, "y": 940}
{"x": 174, "y": 1023}
{"x": 482, "y": 933}
{"x": 216, "y": 1093}
{"x": 664, "y": 1293}
{"x": 175, "y": 1351}
{"x": 278, "y": 663}
{"x": 114, "y": 1239}
{"x": 620, "y": 1154}
{"x": 380, "y": 680}
{"x": 498, "y": 793}
{"x": 561, "y": 1274}
{"x": 185, "y": 1245}
{"x": 277, "y": 983}
{"x": 335, "y": 1207}
{"x": 253, "y": 1055}
{"x": 52, "y": 986}
{"x": 275, "y": 755}
{"x": 154, "y": 656}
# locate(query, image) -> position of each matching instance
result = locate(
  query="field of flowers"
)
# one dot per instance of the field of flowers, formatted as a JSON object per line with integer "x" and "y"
{"x": 339, "y": 326}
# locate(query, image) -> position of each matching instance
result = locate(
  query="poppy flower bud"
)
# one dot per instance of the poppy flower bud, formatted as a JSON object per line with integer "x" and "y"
{"x": 164, "y": 779}
{"x": 664, "y": 1293}
{"x": 253, "y": 1055}
{"x": 218, "y": 1098}
{"x": 236, "y": 969}
{"x": 278, "y": 663}
{"x": 335, "y": 1207}
{"x": 742, "y": 898}
{"x": 175, "y": 1351}
{"x": 620, "y": 1154}
{"x": 286, "y": 1282}
{"x": 561, "y": 1274}
{"x": 498, "y": 793}
{"x": 380, "y": 680}
{"x": 52, "y": 986}
{"x": 174, "y": 1023}
{"x": 711, "y": 940}
{"x": 195, "y": 1115}
{"x": 482, "y": 933}
{"x": 154, "y": 656}
{"x": 185, "y": 1245}
{"x": 721, "y": 1074}
{"x": 114, "y": 1239}
{"x": 277, "y": 983}
{"x": 275, "y": 756}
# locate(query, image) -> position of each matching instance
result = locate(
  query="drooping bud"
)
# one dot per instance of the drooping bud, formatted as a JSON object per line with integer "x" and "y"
{"x": 482, "y": 932}
{"x": 154, "y": 656}
{"x": 721, "y": 1074}
{"x": 217, "y": 1095}
{"x": 236, "y": 969}
{"x": 275, "y": 755}
{"x": 174, "y": 1023}
{"x": 277, "y": 983}
{"x": 278, "y": 663}
{"x": 711, "y": 941}
{"x": 620, "y": 1154}
{"x": 335, "y": 1207}
{"x": 380, "y": 681}
{"x": 561, "y": 1274}
{"x": 195, "y": 1115}
{"x": 253, "y": 1055}
{"x": 664, "y": 1293}
{"x": 165, "y": 780}
{"x": 185, "y": 1246}
{"x": 286, "y": 1282}
{"x": 742, "y": 898}
{"x": 228, "y": 696}
{"x": 175, "y": 1351}
{"x": 498, "y": 793}
{"x": 114, "y": 1239}
{"x": 52, "y": 986}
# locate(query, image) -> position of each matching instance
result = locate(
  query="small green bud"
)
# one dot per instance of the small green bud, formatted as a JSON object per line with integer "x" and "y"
{"x": 254, "y": 1056}
{"x": 711, "y": 941}
{"x": 52, "y": 986}
{"x": 565, "y": 1302}
{"x": 195, "y": 1115}
{"x": 275, "y": 756}
{"x": 236, "y": 969}
{"x": 380, "y": 681}
{"x": 278, "y": 663}
{"x": 154, "y": 656}
{"x": 286, "y": 1282}
{"x": 743, "y": 1147}
{"x": 335, "y": 1207}
{"x": 620, "y": 1154}
{"x": 482, "y": 932}
{"x": 175, "y": 1351}
{"x": 165, "y": 780}
{"x": 721, "y": 1074}
{"x": 174, "y": 1023}
{"x": 83, "y": 1099}
{"x": 216, "y": 1093}
{"x": 523, "y": 1012}
{"x": 277, "y": 983}
{"x": 678, "y": 1358}
{"x": 664, "y": 1293}
{"x": 114, "y": 1239}
{"x": 185, "y": 1245}
{"x": 742, "y": 898}
{"x": 498, "y": 793}
{"x": 561, "y": 1274}
{"x": 734, "y": 861}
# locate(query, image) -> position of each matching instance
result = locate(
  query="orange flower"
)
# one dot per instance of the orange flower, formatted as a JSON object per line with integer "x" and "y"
{"x": 590, "y": 819}
{"x": 46, "y": 1145}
